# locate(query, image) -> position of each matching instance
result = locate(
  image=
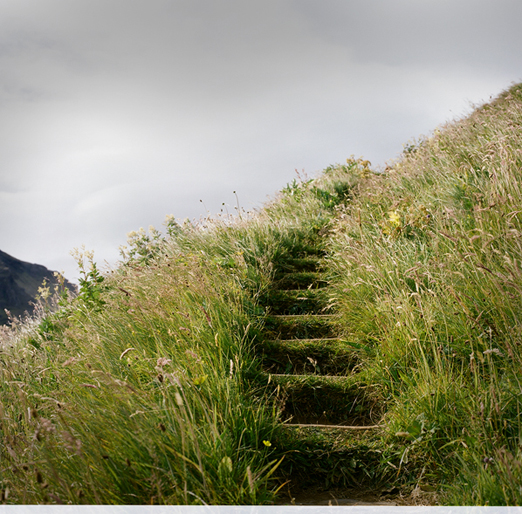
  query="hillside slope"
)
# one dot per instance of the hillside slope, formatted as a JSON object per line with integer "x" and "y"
{"x": 360, "y": 332}
{"x": 425, "y": 269}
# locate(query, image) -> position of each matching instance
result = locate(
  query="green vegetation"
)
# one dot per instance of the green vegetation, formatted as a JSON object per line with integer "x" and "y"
{"x": 393, "y": 299}
{"x": 425, "y": 268}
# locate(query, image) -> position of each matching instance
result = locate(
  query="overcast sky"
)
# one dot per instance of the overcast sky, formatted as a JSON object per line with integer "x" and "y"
{"x": 115, "y": 113}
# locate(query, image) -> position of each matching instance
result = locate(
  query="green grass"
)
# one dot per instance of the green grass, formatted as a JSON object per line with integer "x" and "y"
{"x": 138, "y": 401}
{"x": 426, "y": 271}
{"x": 138, "y": 391}
{"x": 147, "y": 388}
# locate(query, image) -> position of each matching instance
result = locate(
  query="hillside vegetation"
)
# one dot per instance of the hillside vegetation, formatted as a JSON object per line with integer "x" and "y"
{"x": 150, "y": 387}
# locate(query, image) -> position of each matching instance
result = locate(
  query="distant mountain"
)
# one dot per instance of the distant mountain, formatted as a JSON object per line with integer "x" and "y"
{"x": 19, "y": 283}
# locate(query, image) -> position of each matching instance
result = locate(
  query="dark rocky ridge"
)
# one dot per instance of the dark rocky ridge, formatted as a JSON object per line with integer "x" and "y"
{"x": 19, "y": 283}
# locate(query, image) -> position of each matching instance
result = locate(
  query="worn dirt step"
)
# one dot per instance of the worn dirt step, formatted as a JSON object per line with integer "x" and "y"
{"x": 308, "y": 356}
{"x": 299, "y": 280}
{"x": 297, "y": 301}
{"x": 332, "y": 427}
{"x": 309, "y": 326}
{"x": 304, "y": 250}
{"x": 325, "y": 400}
{"x": 300, "y": 264}
{"x": 323, "y": 459}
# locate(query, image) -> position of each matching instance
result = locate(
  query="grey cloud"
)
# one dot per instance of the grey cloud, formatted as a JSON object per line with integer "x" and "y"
{"x": 114, "y": 114}
{"x": 469, "y": 32}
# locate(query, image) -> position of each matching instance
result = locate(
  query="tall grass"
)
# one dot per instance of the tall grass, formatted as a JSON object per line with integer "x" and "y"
{"x": 138, "y": 401}
{"x": 426, "y": 265}
{"x": 137, "y": 391}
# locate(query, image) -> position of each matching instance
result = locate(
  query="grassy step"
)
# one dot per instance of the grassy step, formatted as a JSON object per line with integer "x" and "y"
{"x": 319, "y": 393}
{"x": 297, "y": 301}
{"x": 327, "y": 400}
{"x": 312, "y": 356}
{"x": 333, "y": 458}
{"x": 333, "y": 427}
{"x": 310, "y": 326}
{"x": 306, "y": 251}
{"x": 299, "y": 280}
{"x": 299, "y": 264}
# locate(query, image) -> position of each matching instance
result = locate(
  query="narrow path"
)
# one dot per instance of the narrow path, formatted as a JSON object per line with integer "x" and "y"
{"x": 312, "y": 374}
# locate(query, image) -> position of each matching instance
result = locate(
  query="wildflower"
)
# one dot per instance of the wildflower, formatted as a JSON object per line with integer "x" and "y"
{"x": 162, "y": 361}
{"x": 199, "y": 381}
{"x": 493, "y": 350}
{"x": 192, "y": 354}
{"x": 225, "y": 465}
{"x": 267, "y": 443}
{"x": 71, "y": 443}
{"x": 394, "y": 219}
{"x": 393, "y": 224}
{"x": 47, "y": 425}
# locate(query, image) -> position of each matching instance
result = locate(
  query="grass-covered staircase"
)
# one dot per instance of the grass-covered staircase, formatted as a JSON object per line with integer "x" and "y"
{"x": 311, "y": 374}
